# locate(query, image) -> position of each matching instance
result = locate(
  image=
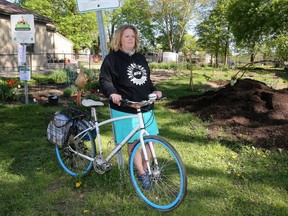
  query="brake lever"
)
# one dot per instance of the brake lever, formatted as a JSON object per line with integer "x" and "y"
{"x": 161, "y": 99}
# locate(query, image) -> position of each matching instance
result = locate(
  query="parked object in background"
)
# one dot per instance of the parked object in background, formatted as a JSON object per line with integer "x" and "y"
{"x": 53, "y": 100}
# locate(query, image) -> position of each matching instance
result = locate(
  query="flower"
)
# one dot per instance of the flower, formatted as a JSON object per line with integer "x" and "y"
{"x": 75, "y": 96}
{"x": 8, "y": 89}
{"x": 11, "y": 83}
{"x": 78, "y": 184}
{"x": 233, "y": 155}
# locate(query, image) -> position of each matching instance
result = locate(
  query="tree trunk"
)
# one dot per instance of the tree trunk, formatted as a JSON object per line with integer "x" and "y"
{"x": 191, "y": 73}
{"x": 226, "y": 52}
{"x": 252, "y": 57}
{"x": 216, "y": 60}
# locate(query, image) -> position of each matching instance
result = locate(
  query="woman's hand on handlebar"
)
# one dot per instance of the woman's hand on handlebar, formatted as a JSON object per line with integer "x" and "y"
{"x": 116, "y": 98}
{"x": 158, "y": 93}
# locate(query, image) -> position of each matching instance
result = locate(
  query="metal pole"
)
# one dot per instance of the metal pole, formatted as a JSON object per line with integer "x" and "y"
{"x": 26, "y": 86}
{"x": 25, "y": 81}
{"x": 102, "y": 34}
{"x": 104, "y": 52}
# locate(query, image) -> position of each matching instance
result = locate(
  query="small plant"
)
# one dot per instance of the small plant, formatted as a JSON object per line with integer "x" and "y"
{"x": 8, "y": 89}
{"x": 93, "y": 80}
{"x": 69, "y": 91}
{"x": 71, "y": 75}
{"x": 59, "y": 76}
{"x": 93, "y": 96}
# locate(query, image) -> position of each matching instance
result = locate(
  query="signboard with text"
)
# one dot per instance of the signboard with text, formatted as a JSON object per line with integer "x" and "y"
{"x": 22, "y": 28}
{"x": 94, "y": 5}
{"x": 25, "y": 74}
{"x": 21, "y": 55}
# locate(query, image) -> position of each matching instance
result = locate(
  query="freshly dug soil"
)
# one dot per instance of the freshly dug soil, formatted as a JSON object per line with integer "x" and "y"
{"x": 250, "y": 111}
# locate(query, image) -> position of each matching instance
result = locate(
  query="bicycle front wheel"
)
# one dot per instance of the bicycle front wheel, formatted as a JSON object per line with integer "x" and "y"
{"x": 71, "y": 162}
{"x": 168, "y": 179}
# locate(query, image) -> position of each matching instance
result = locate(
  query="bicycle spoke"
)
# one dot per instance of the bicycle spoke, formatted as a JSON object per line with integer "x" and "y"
{"x": 168, "y": 178}
{"x": 70, "y": 161}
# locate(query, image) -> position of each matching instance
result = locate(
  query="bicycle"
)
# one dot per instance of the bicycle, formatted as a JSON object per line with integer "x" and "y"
{"x": 77, "y": 155}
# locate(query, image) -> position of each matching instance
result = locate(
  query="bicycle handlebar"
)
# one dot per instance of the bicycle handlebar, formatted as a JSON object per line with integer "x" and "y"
{"x": 152, "y": 98}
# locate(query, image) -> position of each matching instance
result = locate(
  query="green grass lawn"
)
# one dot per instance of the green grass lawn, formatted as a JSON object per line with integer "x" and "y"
{"x": 221, "y": 181}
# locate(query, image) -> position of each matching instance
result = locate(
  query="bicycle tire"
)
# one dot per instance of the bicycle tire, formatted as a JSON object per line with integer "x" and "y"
{"x": 72, "y": 163}
{"x": 169, "y": 186}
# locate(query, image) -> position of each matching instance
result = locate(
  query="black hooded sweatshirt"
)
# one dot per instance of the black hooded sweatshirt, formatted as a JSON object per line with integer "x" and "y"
{"x": 128, "y": 76}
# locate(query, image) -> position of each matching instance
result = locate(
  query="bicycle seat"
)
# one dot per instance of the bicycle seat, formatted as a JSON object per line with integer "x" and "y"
{"x": 91, "y": 103}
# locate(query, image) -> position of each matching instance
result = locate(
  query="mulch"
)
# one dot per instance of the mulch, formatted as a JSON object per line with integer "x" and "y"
{"x": 250, "y": 111}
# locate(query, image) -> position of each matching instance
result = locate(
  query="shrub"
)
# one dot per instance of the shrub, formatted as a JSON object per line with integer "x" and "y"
{"x": 93, "y": 97}
{"x": 71, "y": 76}
{"x": 8, "y": 89}
{"x": 93, "y": 81}
{"x": 69, "y": 91}
{"x": 59, "y": 76}
{"x": 170, "y": 65}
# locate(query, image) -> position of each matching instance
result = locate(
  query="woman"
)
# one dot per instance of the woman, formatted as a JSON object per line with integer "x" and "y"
{"x": 125, "y": 74}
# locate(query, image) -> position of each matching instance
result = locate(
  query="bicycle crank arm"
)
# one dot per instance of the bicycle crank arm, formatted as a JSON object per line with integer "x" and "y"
{"x": 81, "y": 155}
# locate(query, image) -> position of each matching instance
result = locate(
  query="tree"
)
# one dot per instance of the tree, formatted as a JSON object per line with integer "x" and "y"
{"x": 172, "y": 18}
{"x": 214, "y": 32}
{"x": 277, "y": 18}
{"x": 79, "y": 28}
{"x": 189, "y": 48}
{"x": 254, "y": 21}
{"x": 137, "y": 13}
{"x": 278, "y": 47}
{"x": 278, "y": 41}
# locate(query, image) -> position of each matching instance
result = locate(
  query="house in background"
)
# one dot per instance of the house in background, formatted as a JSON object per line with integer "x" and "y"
{"x": 48, "y": 42}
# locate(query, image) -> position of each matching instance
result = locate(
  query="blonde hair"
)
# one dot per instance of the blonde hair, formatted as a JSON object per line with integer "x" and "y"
{"x": 116, "y": 41}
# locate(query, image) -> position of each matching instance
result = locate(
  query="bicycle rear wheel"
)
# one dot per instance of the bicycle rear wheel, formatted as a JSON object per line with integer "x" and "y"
{"x": 168, "y": 178}
{"x": 72, "y": 163}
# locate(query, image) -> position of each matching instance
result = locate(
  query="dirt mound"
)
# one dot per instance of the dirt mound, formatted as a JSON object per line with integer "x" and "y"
{"x": 249, "y": 110}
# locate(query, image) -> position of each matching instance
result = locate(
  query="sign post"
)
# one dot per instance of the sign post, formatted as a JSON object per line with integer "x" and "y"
{"x": 102, "y": 34}
{"x": 98, "y": 6}
{"x": 23, "y": 33}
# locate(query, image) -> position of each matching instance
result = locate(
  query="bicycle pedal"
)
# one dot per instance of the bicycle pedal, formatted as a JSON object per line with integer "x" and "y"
{"x": 107, "y": 166}
{"x": 101, "y": 165}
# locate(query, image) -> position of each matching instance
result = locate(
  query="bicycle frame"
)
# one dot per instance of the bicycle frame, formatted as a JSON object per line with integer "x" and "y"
{"x": 140, "y": 127}
{"x": 160, "y": 182}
